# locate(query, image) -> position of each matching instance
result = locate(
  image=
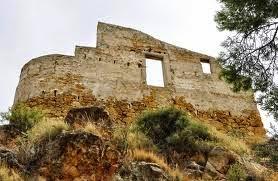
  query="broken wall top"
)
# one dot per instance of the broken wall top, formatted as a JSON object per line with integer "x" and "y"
{"x": 116, "y": 70}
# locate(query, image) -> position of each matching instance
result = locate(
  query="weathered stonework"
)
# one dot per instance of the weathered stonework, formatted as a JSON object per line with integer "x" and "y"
{"x": 114, "y": 75}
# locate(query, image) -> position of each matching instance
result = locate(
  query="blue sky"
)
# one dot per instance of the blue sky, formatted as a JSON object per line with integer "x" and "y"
{"x": 31, "y": 28}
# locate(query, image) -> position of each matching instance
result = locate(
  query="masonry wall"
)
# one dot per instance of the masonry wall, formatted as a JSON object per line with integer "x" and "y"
{"x": 114, "y": 75}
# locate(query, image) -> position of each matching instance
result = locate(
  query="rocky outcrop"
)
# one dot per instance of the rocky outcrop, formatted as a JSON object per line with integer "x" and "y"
{"x": 86, "y": 114}
{"x": 75, "y": 155}
{"x": 254, "y": 170}
{"x": 9, "y": 157}
{"x": 141, "y": 171}
{"x": 79, "y": 155}
{"x": 220, "y": 159}
{"x": 217, "y": 163}
{"x": 8, "y": 135}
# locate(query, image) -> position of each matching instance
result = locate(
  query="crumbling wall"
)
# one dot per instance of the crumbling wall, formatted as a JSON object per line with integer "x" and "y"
{"x": 114, "y": 75}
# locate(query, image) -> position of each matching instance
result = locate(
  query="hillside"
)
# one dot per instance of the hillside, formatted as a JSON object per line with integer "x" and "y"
{"x": 160, "y": 144}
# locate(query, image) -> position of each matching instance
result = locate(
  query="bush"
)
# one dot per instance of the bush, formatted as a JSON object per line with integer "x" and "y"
{"x": 268, "y": 152}
{"x": 170, "y": 128}
{"x": 236, "y": 173}
{"x": 23, "y": 117}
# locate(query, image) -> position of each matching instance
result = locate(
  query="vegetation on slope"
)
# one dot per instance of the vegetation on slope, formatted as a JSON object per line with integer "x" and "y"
{"x": 22, "y": 117}
{"x": 171, "y": 129}
{"x": 167, "y": 137}
{"x": 8, "y": 174}
{"x": 267, "y": 152}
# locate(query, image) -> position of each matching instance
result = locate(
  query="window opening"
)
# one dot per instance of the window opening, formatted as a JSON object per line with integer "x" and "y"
{"x": 55, "y": 93}
{"x": 206, "y": 66}
{"x": 154, "y": 72}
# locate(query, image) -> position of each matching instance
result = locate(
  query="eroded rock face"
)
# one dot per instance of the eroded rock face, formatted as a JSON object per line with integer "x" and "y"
{"x": 254, "y": 170}
{"x": 113, "y": 75}
{"x": 221, "y": 159}
{"x": 9, "y": 157}
{"x": 96, "y": 114}
{"x": 8, "y": 135}
{"x": 75, "y": 155}
{"x": 218, "y": 161}
{"x": 212, "y": 173}
{"x": 141, "y": 171}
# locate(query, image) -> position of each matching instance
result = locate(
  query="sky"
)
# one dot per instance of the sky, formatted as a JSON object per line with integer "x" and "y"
{"x": 154, "y": 73}
{"x": 31, "y": 28}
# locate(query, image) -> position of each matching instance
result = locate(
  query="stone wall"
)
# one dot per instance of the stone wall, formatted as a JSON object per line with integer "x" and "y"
{"x": 114, "y": 75}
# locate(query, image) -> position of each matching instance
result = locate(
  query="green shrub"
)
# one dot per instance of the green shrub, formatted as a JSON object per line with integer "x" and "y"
{"x": 199, "y": 131}
{"x": 236, "y": 173}
{"x": 170, "y": 128}
{"x": 23, "y": 117}
{"x": 159, "y": 125}
{"x": 268, "y": 152}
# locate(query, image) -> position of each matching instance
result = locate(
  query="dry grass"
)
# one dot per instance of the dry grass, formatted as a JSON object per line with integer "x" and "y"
{"x": 253, "y": 140}
{"x": 45, "y": 129}
{"x": 92, "y": 128}
{"x": 272, "y": 176}
{"x": 229, "y": 142}
{"x": 96, "y": 129}
{"x": 137, "y": 140}
{"x": 148, "y": 156}
{"x": 7, "y": 174}
{"x": 125, "y": 138}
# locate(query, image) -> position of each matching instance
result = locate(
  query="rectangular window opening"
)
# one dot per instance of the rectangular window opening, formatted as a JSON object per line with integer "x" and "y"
{"x": 154, "y": 72}
{"x": 205, "y": 66}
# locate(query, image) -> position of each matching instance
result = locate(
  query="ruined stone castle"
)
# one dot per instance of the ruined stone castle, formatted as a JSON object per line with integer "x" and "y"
{"x": 113, "y": 75}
